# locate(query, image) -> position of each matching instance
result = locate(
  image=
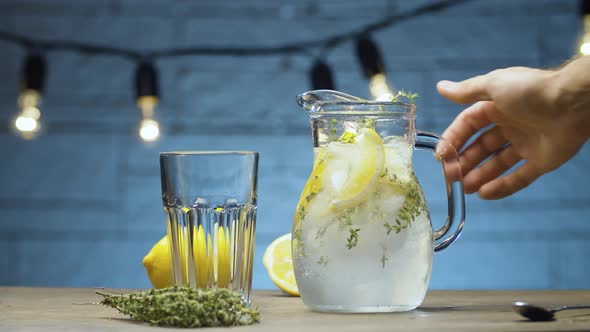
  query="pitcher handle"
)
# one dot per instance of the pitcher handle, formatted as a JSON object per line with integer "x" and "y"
{"x": 449, "y": 157}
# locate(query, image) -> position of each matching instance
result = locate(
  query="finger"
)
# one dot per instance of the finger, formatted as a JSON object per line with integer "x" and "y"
{"x": 484, "y": 146}
{"x": 449, "y": 157}
{"x": 509, "y": 184}
{"x": 452, "y": 170}
{"x": 467, "y": 123}
{"x": 491, "y": 169}
{"x": 467, "y": 91}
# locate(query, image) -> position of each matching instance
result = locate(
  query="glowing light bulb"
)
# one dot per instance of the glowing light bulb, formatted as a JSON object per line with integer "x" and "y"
{"x": 149, "y": 130}
{"x": 24, "y": 123}
{"x": 27, "y": 122}
{"x": 379, "y": 88}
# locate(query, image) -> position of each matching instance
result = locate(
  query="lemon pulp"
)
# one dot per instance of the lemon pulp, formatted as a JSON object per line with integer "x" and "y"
{"x": 279, "y": 264}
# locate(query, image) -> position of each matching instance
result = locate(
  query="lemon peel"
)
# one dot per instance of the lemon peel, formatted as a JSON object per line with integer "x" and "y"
{"x": 157, "y": 264}
{"x": 312, "y": 187}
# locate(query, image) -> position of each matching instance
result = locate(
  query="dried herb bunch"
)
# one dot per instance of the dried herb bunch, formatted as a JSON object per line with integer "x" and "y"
{"x": 184, "y": 307}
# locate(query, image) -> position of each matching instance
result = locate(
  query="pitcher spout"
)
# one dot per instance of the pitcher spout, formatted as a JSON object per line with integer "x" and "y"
{"x": 313, "y": 100}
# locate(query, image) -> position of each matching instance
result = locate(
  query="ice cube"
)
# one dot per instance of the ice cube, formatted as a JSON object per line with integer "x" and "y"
{"x": 231, "y": 202}
{"x": 202, "y": 203}
{"x": 394, "y": 140}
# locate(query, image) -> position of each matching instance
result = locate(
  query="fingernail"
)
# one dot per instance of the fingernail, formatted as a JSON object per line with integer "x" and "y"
{"x": 446, "y": 85}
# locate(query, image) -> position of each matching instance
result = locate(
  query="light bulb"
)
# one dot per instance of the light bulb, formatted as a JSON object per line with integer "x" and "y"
{"x": 27, "y": 122}
{"x": 146, "y": 94}
{"x": 149, "y": 130}
{"x": 147, "y": 106}
{"x": 23, "y": 123}
{"x": 379, "y": 88}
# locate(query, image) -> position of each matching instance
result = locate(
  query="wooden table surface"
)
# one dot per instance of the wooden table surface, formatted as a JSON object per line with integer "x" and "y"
{"x": 64, "y": 309}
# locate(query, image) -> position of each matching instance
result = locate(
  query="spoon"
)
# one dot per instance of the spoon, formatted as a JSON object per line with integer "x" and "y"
{"x": 540, "y": 314}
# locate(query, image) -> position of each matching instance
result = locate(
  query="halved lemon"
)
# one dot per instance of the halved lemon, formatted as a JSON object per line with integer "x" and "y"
{"x": 353, "y": 169}
{"x": 279, "y": 263}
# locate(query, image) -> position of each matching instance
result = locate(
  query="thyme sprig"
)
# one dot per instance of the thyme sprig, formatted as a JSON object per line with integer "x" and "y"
{"x": 368, "y": 122}
{"x": 345, "y": 220}
{"x": 298, "y": 241}
{"x": 413, "y": 205}
{"x": 333, "y": 129}
{"x": 323, "y": 260}
{"x": 406, "y": 94}
{"x": 353, "y": 238}
{"x": 383, "y": 260}
{"x": 184, "y": 307}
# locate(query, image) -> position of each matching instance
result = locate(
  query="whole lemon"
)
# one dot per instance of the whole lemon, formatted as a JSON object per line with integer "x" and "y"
{"x": 211, "y": 266}
{"x": 158, "y": 265}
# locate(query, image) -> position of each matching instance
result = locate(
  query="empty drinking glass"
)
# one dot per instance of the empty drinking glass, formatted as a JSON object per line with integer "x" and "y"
{"x": 210, "y": 202}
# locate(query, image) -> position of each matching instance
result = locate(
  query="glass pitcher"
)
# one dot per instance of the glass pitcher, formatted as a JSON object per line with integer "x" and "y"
{"x": 362, "y": 240}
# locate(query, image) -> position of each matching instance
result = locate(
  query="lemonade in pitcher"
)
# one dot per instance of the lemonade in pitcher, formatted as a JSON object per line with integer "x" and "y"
{"x": 362, "y": 240}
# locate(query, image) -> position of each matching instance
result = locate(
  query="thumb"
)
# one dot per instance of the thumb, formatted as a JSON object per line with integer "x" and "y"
{"x": 467, "y": 91}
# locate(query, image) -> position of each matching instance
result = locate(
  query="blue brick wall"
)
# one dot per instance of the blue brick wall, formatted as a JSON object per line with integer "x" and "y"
{"x": 80, "y": 205}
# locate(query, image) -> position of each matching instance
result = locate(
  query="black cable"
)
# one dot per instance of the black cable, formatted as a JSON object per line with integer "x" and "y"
{"x": 287, "y": 48}
{"x": 91, "y": 49}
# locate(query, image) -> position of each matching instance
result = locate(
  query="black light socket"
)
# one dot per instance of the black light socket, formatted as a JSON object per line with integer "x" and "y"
{"x": 33, "y": 73}
{"x": 146, "y": 81}
{"x": 369, "y": 57}
{"x": 321, "y": 76}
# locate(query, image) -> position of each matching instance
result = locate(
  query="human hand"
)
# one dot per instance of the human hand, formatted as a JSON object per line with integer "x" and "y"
{"x": 523, "y": 114}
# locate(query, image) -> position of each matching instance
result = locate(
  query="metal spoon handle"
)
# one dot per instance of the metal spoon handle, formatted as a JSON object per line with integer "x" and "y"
{"x": 567, "y": 307}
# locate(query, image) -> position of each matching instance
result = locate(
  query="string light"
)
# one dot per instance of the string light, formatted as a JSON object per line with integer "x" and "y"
{"x": 373, "y": 68}
{"x": 585, "y": 41}
{"x": 321, "y": 76}
{"x": 149, "y": 130}
{"x": 147, "y": 94}
{"x": 28, "y": 121}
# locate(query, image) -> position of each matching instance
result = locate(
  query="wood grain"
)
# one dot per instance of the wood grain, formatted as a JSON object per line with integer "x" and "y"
{"x": 68, "y": 309}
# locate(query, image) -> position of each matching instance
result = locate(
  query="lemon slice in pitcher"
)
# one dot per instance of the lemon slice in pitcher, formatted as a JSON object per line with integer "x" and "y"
{"x": 353, "y": 169}
{"x": 312, "y": 186}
